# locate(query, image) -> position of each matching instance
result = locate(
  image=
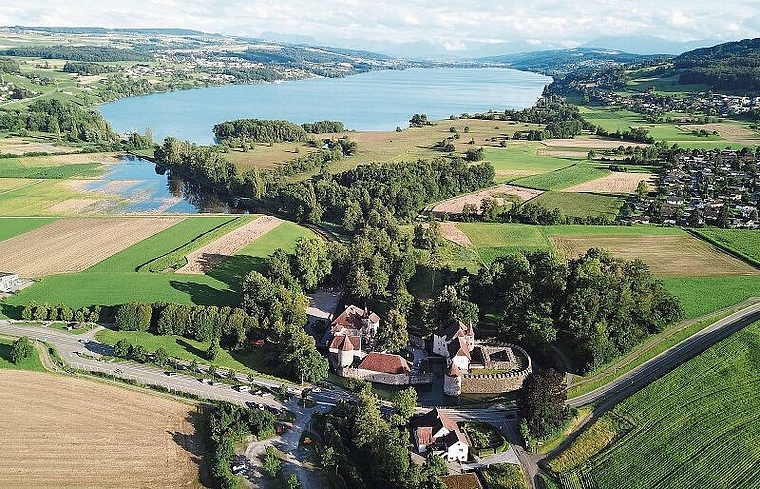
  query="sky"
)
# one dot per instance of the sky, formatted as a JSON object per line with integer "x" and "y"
{"x": 436, "y": 26}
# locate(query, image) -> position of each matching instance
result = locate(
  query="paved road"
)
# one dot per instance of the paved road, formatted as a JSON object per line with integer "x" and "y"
{"x": 83, "y": 352}
{"x": 671, "y": 358}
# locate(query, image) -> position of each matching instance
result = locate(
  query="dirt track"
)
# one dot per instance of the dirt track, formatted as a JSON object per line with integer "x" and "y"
{"x": 450, "y": 231}
{"x": 58, "y": 431}
{"x": 456, "y": 204}
{"x": 72, "y": 245}
{"x": 206, "y": 258}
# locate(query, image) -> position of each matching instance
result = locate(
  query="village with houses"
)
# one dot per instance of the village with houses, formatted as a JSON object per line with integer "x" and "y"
{"x": 716, "y": 188}
{"x": 652, "y": 103}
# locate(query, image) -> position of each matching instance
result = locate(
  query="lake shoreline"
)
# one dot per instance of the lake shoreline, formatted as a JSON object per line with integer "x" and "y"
{"x": 379, "y": 100}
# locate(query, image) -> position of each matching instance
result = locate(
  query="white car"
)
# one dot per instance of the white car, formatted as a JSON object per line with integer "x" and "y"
{"x": 317, "y": 390}
{"x": 243, "y": 388}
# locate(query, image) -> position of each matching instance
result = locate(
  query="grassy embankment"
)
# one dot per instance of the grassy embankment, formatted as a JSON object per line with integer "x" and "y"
{"x": 31, "y": 363}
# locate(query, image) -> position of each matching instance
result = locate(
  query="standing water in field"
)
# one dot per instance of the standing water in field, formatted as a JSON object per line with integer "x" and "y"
{"x": 379, "y": 100}
{"x": 147, "y": 189}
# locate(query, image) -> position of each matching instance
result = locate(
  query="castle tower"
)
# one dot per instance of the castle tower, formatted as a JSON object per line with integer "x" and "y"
{"x": 452, "y": 381}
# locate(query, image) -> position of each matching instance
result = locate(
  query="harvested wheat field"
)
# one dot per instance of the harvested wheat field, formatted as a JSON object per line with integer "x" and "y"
{"x": 207, "y": 257}
{"x": 666, "y": 255}
{"x": 456, "y": 204}
{"x": 588, "y": 143}
{"x": 72, "y": 205}
{"x": 729, "y": 132}
{"x": 58, "y": 431}
{"x": 615, "y": 183}
{"x": 450, "y": 231}
{"x": 72, "y": 245}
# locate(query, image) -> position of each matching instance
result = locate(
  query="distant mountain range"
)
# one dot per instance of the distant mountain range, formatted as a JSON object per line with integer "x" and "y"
{"x": 558, "y": 61}
{"x": 647, "y": 44}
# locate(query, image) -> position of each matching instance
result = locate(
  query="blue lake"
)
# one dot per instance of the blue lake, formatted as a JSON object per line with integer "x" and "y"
{"x": 379, "y": 100}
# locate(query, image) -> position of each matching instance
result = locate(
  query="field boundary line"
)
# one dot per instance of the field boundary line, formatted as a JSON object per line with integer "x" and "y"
{"x": 724, "y": 249}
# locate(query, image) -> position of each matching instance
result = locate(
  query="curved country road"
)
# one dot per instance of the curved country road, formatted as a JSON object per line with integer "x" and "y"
{"x": 84, "y": 352}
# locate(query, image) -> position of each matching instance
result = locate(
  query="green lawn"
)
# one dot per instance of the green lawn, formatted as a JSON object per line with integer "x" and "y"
{"x": 88, "y": 289}
{"x": 505, "y": 476}
{"x": 698, "y": 426}
{"x": 563, "y": 178}
{"x": 702, "y": 295}
{"x": 10, "y": 227}
{"x": 741, "y": 242}
{"x": 130, "y": 259}
{"x": 31, "y": 363}
{"x": 581, "y": 204}
{"x": 11, "y": 168}
{"x": 491, "y": 239}
{"x": 188, "y": 349}
{"x": 522, "y": 157}
{"x": 36, "y": 199}
{"x": 613, "y": 119}
{"x": 232, "y": 270}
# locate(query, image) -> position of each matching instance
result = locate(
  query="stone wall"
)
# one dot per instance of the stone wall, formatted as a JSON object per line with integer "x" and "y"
{"x": 383, "y": 378}
{"x": 497, "y": 383}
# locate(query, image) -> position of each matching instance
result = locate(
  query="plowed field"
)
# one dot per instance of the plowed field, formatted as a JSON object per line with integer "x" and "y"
{"x": 667, "y": 256}
{"x": 72, "y": 245}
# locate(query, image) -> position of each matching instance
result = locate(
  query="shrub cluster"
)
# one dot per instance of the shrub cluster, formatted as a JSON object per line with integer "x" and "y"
{"x": 60, "y": 312}
{"x": 202, "y": 323}
{"x": 226, "y": 425}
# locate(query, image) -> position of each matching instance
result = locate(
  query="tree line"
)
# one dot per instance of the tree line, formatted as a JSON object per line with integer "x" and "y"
{"x": 60, "y": 312}
{"x": 66, "y": 120}
{"x": 85, "y": 68}
{"x": 90, "y": 54}
{"x": 323, "y": 127}
{"x": 260, "y": 131}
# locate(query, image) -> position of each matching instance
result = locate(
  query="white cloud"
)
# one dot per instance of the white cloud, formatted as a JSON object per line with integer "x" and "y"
{"x": 452, "y": 25}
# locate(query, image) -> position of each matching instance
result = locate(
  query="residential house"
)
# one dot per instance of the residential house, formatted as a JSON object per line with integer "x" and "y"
{"x": 435, "y": 432}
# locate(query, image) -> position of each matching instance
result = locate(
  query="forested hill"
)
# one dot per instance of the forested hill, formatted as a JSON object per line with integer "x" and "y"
{"x": 561, "y": 61}
{"x": 729, "y": 66}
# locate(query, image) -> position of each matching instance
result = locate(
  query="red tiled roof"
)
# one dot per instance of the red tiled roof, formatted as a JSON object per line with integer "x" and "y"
{"x": 345, "y": 343}
{"x": 425, "y": 435}
{"x": 386, "y": 363}
{"x": 435, "y": 419}
{"x": 351, "y": 318}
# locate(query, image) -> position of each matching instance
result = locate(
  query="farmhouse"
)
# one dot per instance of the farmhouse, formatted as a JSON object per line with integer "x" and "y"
{"x": 8, "y": 281}
{"x": 434, "y": 432}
